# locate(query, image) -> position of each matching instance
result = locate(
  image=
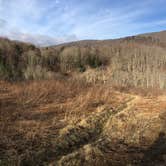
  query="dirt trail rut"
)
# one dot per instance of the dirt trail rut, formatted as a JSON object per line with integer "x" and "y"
{"x": 88, "y": 131}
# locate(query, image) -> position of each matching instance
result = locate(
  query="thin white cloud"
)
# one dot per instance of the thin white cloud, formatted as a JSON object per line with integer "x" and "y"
{"x": 41, "y": 40}
{"x": 57, "y": 21}
{"x": 118, "y": 22}
{"x": 57, "y": 1}
{"x": 37, "y": 39}
{"x": 23, "y": 20}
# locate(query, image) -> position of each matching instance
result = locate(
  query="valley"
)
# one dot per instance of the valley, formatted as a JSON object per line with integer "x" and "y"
{"x": 87, "y": 103}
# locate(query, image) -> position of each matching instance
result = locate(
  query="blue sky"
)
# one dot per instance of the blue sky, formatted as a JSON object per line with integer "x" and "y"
{"x": 48, "y": 22}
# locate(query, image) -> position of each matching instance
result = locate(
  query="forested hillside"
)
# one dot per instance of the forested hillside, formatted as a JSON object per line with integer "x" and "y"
{"x": 86, "y": 103}
{"x": 138, "y": 61}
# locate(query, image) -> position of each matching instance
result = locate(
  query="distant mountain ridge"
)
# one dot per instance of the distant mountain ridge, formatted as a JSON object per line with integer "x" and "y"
{"x": 157, "y": 35}
{"x": 161, "y": 36}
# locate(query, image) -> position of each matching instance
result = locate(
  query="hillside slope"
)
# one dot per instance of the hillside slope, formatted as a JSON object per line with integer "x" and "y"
{"x": 137, "y": 61}
{"x": 161, "y": 36}
{"x": 86, "y": 103}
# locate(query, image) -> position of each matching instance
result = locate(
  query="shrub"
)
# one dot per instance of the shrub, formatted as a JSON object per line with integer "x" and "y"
{"x": 36, "y": 73}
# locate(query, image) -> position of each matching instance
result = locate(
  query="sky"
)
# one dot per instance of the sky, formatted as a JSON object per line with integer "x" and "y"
{"x": 50, "y": 22}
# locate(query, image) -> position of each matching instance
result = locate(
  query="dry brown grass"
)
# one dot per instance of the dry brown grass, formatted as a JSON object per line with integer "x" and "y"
{"x": 146, "y": 92}
{"x": 33, "y": 113}
{"x": 30, "y": 114}
{"x": 43, "y": 92}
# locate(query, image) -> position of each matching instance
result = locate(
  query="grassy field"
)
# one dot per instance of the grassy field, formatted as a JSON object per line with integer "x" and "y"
{"x": 73, "y": 123}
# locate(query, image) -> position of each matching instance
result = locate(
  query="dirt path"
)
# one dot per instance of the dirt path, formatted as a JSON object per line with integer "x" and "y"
{"x": 91, "y": 138}
{"x": 130, "y": 104}
{"x": 88, "y": 131}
